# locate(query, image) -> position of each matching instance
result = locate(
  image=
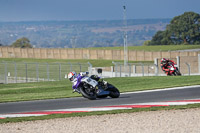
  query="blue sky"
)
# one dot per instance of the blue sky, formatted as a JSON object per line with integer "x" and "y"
{"x": 27, "y": 10}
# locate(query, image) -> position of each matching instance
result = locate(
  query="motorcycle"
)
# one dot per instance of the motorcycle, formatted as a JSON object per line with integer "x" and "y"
{"x": 92, "y": 88}
{"x": 174, "y": 71}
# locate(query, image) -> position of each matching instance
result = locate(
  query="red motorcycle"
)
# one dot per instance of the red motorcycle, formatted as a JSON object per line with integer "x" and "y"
{"x": 173, "y": 70}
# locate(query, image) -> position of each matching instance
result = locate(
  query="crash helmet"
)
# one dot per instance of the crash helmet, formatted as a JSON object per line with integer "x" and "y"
{"x": 71, "y": 76}
{"x": 163, "y": 61}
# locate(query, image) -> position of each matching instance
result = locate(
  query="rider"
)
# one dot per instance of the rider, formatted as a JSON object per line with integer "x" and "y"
{"x": 164, "y": 64}
{"x": 76, "y": 79}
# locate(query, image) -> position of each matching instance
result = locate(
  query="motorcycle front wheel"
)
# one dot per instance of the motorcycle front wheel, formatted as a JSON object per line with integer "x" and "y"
{"x": 87, "y": 93}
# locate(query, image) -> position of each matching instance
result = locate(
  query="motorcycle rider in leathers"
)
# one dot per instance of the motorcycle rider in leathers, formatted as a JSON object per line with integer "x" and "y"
{"x": 76, "y": 78}
{"x": 164, "y": 64}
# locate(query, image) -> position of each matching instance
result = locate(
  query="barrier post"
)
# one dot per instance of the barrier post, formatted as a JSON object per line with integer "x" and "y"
{"x": 15, "y": 72}
{"x": 6, "y": 78}
{"x": 156, "y": 66}
{"x": 59, "y": 71}
{"x": 90, "y": 68}
{"x": 199, "y": 62}
{"x": 48, "y": 71}
{"x": 37, "y": 73}
{"x": 26, "y": 72}
{"x": 188, "y": 65}
{"x": 178, "y": 62}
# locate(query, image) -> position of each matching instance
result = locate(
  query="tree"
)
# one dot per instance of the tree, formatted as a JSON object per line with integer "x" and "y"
{"x": 157, "y": 38}
{"x": 22, "y": 43}
{"x": 183, "y": 29}
{"x": 147, "y": 42}
{"x": 1, "y": 43}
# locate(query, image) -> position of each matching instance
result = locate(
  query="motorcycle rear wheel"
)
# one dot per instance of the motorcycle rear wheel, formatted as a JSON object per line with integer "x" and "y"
{"x": 178, "y": 73}
{"x": 114, "y": 92}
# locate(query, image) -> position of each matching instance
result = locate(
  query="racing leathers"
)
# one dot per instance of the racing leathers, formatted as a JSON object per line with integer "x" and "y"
{"x": 164, "y": 66}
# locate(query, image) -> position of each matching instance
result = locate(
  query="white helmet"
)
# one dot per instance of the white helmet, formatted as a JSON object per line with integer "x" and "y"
{"x": 72, "y": 76}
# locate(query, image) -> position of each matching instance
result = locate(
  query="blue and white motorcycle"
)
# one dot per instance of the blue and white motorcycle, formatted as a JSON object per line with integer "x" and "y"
{"x": 93, "y": 87}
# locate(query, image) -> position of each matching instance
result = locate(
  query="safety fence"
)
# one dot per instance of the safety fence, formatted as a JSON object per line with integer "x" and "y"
{"x": 134, "y": 69}
{"x": 128, "y": 70}
{"x": 138, "y": 69}
{"x": 18, "y": 72}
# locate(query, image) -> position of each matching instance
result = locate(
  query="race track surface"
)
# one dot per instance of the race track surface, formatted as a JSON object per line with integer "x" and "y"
{"x": 170, "y": 94}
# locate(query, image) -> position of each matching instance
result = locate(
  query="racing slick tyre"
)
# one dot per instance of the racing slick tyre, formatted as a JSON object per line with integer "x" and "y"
{"x": 178, "y": 73}
{"x": 104, "y": 96}
{"x": 114, "y": 92}
{"x": 87, "y": 93}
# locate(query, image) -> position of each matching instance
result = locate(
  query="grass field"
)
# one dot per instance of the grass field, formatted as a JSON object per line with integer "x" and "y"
{"x": 95, "y": 63}
{"x": 63, "y": 89}
{"x": 155, "y": 48}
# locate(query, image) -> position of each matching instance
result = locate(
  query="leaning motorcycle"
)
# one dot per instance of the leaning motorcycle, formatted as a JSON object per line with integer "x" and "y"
{"x": 174, "y": 71}
{"x": 92, "y": 88}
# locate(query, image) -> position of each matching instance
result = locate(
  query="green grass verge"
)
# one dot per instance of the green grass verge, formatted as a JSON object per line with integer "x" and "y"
{"x": 63, "y": 89}
{"x": 95, "y": 63}
{"x": 153, "y": 48}
{"x": 83, "y": 114}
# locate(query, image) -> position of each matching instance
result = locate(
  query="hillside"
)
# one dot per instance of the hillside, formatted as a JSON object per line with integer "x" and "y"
{"x": 80, "y": 34}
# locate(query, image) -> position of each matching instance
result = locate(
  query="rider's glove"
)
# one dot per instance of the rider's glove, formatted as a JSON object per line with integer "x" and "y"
{"x": 100, "y": 80}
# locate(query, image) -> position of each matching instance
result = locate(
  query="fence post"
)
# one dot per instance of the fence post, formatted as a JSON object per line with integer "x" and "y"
{"x": 156, "y": 70}
{"x": 120, "y": 74}
{"x": 156, "y": 66}
{"x": 59, "y": 71}
{"x": 199, "y": 62}
{"x": 6, "y": 79}
{"x": 129, "y": 70}
{"x": 80, "y": 67}
{"x": 188, "y": 65}
{"x": 142, "y": 69}
{"x": 37, "y": 73}
{"x": 26, "y": 72}
{"x": 115, "y": 68}
{"x": 90, "y": 68}
{"x": 178, "y": 62}
{"x": 134, "y": 69}
{"x": 15, "y": 72}
{"x": 70, "y": 66}
{"x": 48, "y": 71}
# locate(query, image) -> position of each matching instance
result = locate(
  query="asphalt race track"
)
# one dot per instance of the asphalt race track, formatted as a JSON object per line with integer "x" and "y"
{"x": 170, "y": 94}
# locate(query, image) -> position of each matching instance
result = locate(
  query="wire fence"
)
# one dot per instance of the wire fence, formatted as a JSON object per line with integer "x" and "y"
{"x": 138, "y": 69}
{"x": 135, "y": 69}
{"x": 146, "y": 69}
{"x": 15, "y": 72}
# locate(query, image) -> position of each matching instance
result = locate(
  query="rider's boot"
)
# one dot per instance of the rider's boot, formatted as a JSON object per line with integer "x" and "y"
{"x": 76, "y": 90}
{"x": 105, "y": 83}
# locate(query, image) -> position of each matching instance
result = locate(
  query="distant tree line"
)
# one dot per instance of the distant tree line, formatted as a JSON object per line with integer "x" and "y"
{"x": 78, "y": 34}
{"x": 22, "y": 43}
{"x": 183, "y": 29}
